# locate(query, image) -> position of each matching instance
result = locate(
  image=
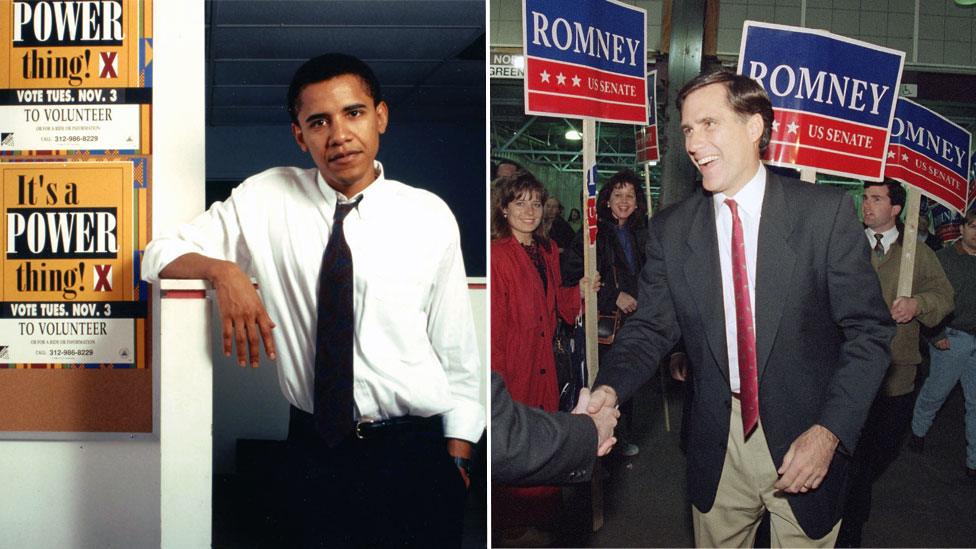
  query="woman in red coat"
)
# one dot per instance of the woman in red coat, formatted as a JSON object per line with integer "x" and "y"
{"x": 526, "y": 295}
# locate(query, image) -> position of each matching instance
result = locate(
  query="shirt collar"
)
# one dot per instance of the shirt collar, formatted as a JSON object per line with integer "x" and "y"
{"x": 372, "y": 191}
{"x": 749, "y": 198}
{"x": 887, "y": 237}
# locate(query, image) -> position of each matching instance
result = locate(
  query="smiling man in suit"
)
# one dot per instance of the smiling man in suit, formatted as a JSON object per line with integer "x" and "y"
{"x": 769, "y": 282}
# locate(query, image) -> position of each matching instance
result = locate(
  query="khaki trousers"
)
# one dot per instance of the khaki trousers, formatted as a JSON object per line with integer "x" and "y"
{"x": 744, "y": 491}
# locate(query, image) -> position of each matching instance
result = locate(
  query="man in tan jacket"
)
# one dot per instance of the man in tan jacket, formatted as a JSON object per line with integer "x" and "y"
{"x": 931, "y": 299}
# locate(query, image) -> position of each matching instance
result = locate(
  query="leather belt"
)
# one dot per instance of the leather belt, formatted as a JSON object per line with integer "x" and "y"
{"x": 367, "y": 429}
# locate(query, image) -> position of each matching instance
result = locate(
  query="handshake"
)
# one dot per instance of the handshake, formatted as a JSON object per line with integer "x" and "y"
{"x": 601, "y": 406}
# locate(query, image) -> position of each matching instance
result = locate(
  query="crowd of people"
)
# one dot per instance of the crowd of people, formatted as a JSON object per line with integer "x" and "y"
{"x": 785, "y": 308}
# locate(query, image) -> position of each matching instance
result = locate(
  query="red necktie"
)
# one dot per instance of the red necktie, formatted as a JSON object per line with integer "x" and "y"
{"x": 745, "y": 332}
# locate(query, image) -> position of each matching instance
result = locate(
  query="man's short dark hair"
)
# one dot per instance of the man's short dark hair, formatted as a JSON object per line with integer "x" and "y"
{"x": 896, "y": 193}
{"x": 970, "y": 216}
{"x": 326, "y": 67}
{"x": 745, "y": 95}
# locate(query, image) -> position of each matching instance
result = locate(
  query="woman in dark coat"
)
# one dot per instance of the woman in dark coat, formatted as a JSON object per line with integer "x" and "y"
{"x": 526, "y": 295}
{"x": 621, "y": 234}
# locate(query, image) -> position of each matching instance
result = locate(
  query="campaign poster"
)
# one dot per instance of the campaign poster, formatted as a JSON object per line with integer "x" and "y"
{"x": 69, "y": 287}
{"x": 74, "y": 76}
{"x": 75, "y": 164}
{"x": 646, "y": 137}
{"x": 931, "y": 153}
{"x": 585, "y": 59}
{"x": 833, "y": 97}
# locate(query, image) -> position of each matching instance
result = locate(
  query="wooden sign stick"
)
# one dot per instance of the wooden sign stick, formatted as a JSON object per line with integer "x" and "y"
{"x": 906, "y": 271}
{"x": 589, "y": 257}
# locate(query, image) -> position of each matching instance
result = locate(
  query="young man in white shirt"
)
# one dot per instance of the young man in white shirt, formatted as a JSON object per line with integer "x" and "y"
{"x": 391, "y": 467}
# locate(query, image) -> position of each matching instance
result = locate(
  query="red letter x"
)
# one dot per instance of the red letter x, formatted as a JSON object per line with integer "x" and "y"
{"x": 104, "y": 274}
{"x": 108, "y": 64}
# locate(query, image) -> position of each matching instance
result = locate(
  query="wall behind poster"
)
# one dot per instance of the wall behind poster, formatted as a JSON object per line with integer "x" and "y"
{"x": 75, "y": 162}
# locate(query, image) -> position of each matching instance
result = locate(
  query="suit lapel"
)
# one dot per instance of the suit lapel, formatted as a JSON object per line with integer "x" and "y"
{"x": 703, "y": 274}
{"x": 775, "y": 262}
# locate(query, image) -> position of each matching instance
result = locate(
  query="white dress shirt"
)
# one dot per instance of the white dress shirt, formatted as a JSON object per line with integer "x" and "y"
{"x": 749, "y": 200}
{"x": 887, "y": 238}
{"x": 415, "y": 351}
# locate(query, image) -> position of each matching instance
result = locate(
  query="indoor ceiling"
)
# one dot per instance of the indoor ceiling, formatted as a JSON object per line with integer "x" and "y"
{"x": 426, "y": 54}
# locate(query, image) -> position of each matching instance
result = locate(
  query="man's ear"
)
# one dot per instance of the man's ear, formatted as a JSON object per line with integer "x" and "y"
{"x": 898, "y": 211}
{"x": 382, "y": 116}
{"x": 755, "y": 127}
{"x": 299, "y": 137}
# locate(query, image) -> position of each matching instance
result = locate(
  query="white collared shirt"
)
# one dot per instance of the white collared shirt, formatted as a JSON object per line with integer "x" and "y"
{"x": 415, "y": 351}
{"x": 749, "y": 200}
{"x": 887, "y": 238}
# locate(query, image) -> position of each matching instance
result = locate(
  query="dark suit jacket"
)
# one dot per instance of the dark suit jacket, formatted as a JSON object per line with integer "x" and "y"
{"x": 532, "y": 447}
{"x": 822, "y": 332}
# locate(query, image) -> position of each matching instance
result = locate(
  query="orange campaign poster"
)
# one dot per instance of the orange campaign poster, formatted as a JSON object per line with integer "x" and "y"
{"x": 74, "y": 75}
{"x": 68, "y": 284}
{"x": 75, "y": 164}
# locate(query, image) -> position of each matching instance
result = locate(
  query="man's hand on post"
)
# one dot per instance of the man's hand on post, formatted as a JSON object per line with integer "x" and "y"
{"x": 605, "y": 420}
{"x": 807, "y": 461}
{"x": 244, "y": 318}
{"x": 904, "y": 309}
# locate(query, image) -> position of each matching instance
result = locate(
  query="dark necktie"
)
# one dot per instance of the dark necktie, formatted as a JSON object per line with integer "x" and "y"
{"x": 878, "y": 247}
{"x": 745, "y": 332}
{"x": 333, "y": 340}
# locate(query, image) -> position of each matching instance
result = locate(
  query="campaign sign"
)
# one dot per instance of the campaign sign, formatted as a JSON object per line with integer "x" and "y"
{"x": 646, "y": 137}
{"x": 929, "y": 152}
{"x": 591, "y": 216}
{"x": 585, "y": 59}
{"x": 833, "y": 97}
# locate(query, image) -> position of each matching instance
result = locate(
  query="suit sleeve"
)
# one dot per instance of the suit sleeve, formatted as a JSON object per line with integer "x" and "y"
{"x": 532, "y": 447}
{"x": 858, "y": 309}
{"x": 649, "y": 333}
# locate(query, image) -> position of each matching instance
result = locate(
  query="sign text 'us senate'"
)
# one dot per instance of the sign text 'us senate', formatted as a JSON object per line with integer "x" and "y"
{"x": 585, "y": 58}
{"x": 833, "y": 97}
{"x": 68, "y": 23}
{"x": 930, "y": 153}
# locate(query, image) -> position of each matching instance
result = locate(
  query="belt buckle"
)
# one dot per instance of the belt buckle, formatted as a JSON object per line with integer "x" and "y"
{"x": 359, "y": 431}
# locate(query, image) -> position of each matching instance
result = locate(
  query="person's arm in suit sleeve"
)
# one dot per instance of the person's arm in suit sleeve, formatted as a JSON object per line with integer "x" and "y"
{"x": 532, "y": 447}
{"x": 859, "y": 310}
{"x": 649, "y": 333}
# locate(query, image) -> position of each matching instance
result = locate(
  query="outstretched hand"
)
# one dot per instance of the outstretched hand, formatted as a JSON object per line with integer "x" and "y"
{"x": 605, "y": 420}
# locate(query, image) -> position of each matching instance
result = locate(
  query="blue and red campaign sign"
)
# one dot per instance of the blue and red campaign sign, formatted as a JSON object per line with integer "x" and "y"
{"x": 646, "y": 137}
{"x": 585, "y": 59}
{"x": 833, "y": 97}
{"x": 931, "y": 153}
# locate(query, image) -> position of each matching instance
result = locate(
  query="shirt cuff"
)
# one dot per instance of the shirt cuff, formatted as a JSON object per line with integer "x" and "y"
{"x": 466, "y": 421}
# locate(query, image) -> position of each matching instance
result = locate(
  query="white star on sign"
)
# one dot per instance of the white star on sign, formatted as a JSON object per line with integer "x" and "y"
{"x": 560, "y": 79}
{"x": 775, "y": 125}
{"x": 904, "y": 157}
{"x": 792, "y": 127}
{"x": 576, "y": 81}
{"x": 891, "y": 154}
{"x": 545, "y": 76}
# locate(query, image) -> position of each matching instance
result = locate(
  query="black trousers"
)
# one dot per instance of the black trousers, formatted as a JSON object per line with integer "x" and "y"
{"x": 397, "y": 489}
